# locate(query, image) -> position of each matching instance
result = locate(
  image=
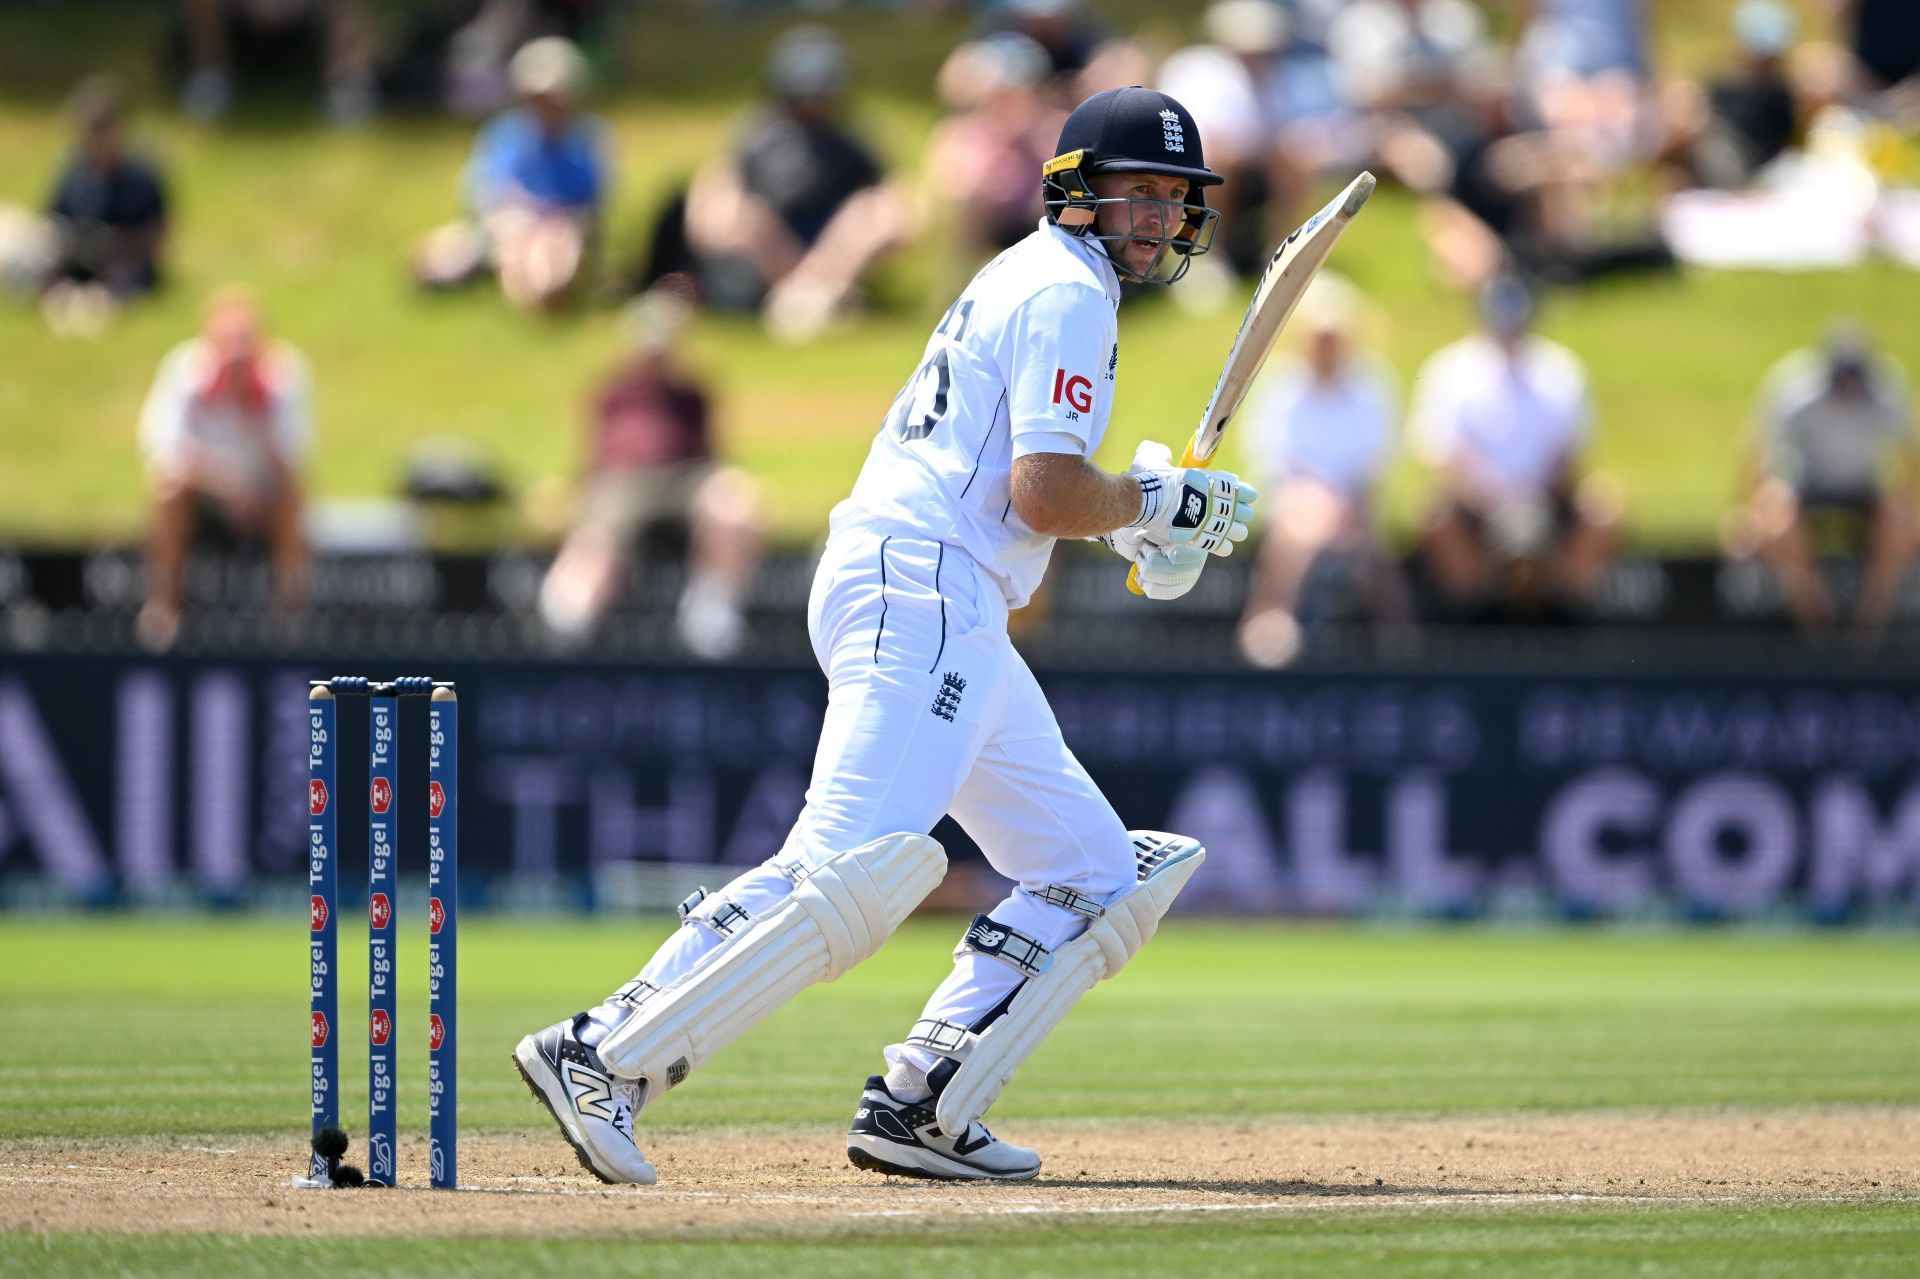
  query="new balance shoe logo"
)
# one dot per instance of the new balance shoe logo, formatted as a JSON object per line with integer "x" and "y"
{"x": 593, "y": 1092}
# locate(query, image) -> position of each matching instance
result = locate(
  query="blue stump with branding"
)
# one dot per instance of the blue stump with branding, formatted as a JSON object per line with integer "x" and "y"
{"x": 323, "y": 896}
{"x": 383, "y": 897}
{"x": 443, "y": 907}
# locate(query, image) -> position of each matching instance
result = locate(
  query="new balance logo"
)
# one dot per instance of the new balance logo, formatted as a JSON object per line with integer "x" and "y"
{"x": 594, "y": 1092}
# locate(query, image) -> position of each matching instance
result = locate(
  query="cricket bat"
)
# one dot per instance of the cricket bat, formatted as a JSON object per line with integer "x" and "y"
{"x": 1288, "y": 272}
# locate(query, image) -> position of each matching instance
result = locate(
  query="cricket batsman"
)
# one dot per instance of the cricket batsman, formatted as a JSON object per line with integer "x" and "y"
{"x": 980, "y": 465}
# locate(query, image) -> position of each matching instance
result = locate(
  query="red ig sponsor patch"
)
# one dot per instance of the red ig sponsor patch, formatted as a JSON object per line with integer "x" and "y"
{"x": 1075, "y": 391}
{"x": 436, "y": 799}
{"x": 317, "y": 912}
{"x": 436, "y": 915}
{"x": 436, "y": 1032}
{"x": 379, "y": 1028}
{"x": 380, "y": 794}
{"x": 319, "y": 1030}
{"x": 379, "y": 910}
{"x": 316, "y": 797}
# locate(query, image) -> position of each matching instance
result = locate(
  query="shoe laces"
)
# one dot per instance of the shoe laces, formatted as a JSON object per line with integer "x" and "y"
{"x": 628, "y": 1094}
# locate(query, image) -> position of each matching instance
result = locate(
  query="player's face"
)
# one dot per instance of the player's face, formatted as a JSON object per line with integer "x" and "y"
{"x": 1143, "y": 226}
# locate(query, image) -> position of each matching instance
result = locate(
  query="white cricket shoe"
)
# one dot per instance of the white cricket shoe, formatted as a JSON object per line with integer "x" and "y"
{"x": 593, "y": 1107}
{"x": 903, "y": 1139}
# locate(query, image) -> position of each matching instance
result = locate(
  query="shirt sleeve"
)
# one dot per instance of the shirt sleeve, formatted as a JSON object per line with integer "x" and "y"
{"x": 163, "y": 415}
{"x": 597, "y": 162}
{"x": 61, "y": 203}
{"x": 1058, "y": 346}
{"x": 489, "y": 164}
{"x": 1431, "y": 429}
{"x": 1381, "y": 401}
{"x": 153, "y": 195}
{"x": 863, "y": 167}
{"x": 1580, "y": 417}
{"x": 292, "y": 408}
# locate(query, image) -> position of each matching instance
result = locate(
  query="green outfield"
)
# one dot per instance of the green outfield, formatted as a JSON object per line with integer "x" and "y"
{"x": 1854, "y": 1240}
{"x": 188, "y": 1035}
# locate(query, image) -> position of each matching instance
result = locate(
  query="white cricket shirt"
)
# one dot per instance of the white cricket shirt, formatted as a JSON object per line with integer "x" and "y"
{"x": 1339, "y": 432}
{"x": 1513, "y": 421}
{"x": 1022, "y": 362}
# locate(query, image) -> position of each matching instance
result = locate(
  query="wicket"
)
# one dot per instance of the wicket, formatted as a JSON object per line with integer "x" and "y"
{"x": 443, "y": 828}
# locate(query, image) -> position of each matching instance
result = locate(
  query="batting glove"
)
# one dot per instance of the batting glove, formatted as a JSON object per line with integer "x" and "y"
{"x": 1189, "y": 506}
{"x": 1166, "y": 572}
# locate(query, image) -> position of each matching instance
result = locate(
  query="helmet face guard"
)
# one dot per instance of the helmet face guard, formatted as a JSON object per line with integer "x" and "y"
{"x": 1182, "y": 231}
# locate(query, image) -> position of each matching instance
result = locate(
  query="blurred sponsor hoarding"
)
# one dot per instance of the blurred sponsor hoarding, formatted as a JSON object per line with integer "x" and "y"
{"x": 1723, "y": 797}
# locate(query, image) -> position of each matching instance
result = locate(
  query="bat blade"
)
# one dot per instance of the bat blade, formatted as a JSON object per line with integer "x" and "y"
{"x": 1282, "y": 284}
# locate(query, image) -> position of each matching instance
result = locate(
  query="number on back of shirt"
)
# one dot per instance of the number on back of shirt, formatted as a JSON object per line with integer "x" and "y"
{"x": 922, "y": 402}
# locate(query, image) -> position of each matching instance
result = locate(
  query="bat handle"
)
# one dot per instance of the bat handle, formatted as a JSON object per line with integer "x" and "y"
{"x": 1186, "y": 459}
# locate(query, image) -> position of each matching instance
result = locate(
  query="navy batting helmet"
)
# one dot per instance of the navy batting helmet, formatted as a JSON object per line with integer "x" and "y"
{"x": 1131, "y": 130}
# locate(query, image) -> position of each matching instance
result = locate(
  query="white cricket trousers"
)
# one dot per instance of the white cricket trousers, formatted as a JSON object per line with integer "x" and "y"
{"x": 931, "y": 711}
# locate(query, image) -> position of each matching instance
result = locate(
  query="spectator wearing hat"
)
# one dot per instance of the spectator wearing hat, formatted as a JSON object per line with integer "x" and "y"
{"x": 225, "y": 431}
{"x": 109, "y": 216}
{"x": 651, "y": 468}
{"x": 792, "y": 220}
{"x": 1321, "y": 431}
{"x": 1726, "y": 129}
{"x": 1503, "y": 416}
{"x": 537, "y": 183}
{"x": 1836, "y": 465}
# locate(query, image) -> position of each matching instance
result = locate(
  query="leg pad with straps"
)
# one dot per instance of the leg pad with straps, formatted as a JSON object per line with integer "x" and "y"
{"x": 1126, "y": 923}
{"x": 838, "y": 914}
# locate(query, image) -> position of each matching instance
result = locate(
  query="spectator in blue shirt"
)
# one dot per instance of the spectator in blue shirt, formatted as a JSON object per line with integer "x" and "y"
{"x": 536, "y": 182}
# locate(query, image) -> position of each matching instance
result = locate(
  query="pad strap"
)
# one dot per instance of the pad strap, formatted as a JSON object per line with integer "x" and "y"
{"x": 722, "y": 914}
{"x": 634, "y": 993}
{"x": 1072, "y": 899}
{"x": 841, "y": 914}
{"x": 1010, "y": 946}
{"x": 1150, "y": 848}
{"x": 1129, "y": 921}
{"x": 947, "y": 1038}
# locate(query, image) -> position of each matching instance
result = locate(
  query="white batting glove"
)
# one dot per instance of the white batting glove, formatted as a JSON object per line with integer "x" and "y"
{"x": 1166, "y": 572}
{"x": 1189, "y": 506}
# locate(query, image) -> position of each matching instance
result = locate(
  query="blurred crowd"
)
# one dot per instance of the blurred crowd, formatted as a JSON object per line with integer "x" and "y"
{"x": 1520, "y": 526}
{"x": 1557, "y": 155}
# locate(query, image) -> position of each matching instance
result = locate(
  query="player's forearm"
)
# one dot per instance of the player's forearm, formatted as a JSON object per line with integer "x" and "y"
{"x": 1065, "y": 496}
